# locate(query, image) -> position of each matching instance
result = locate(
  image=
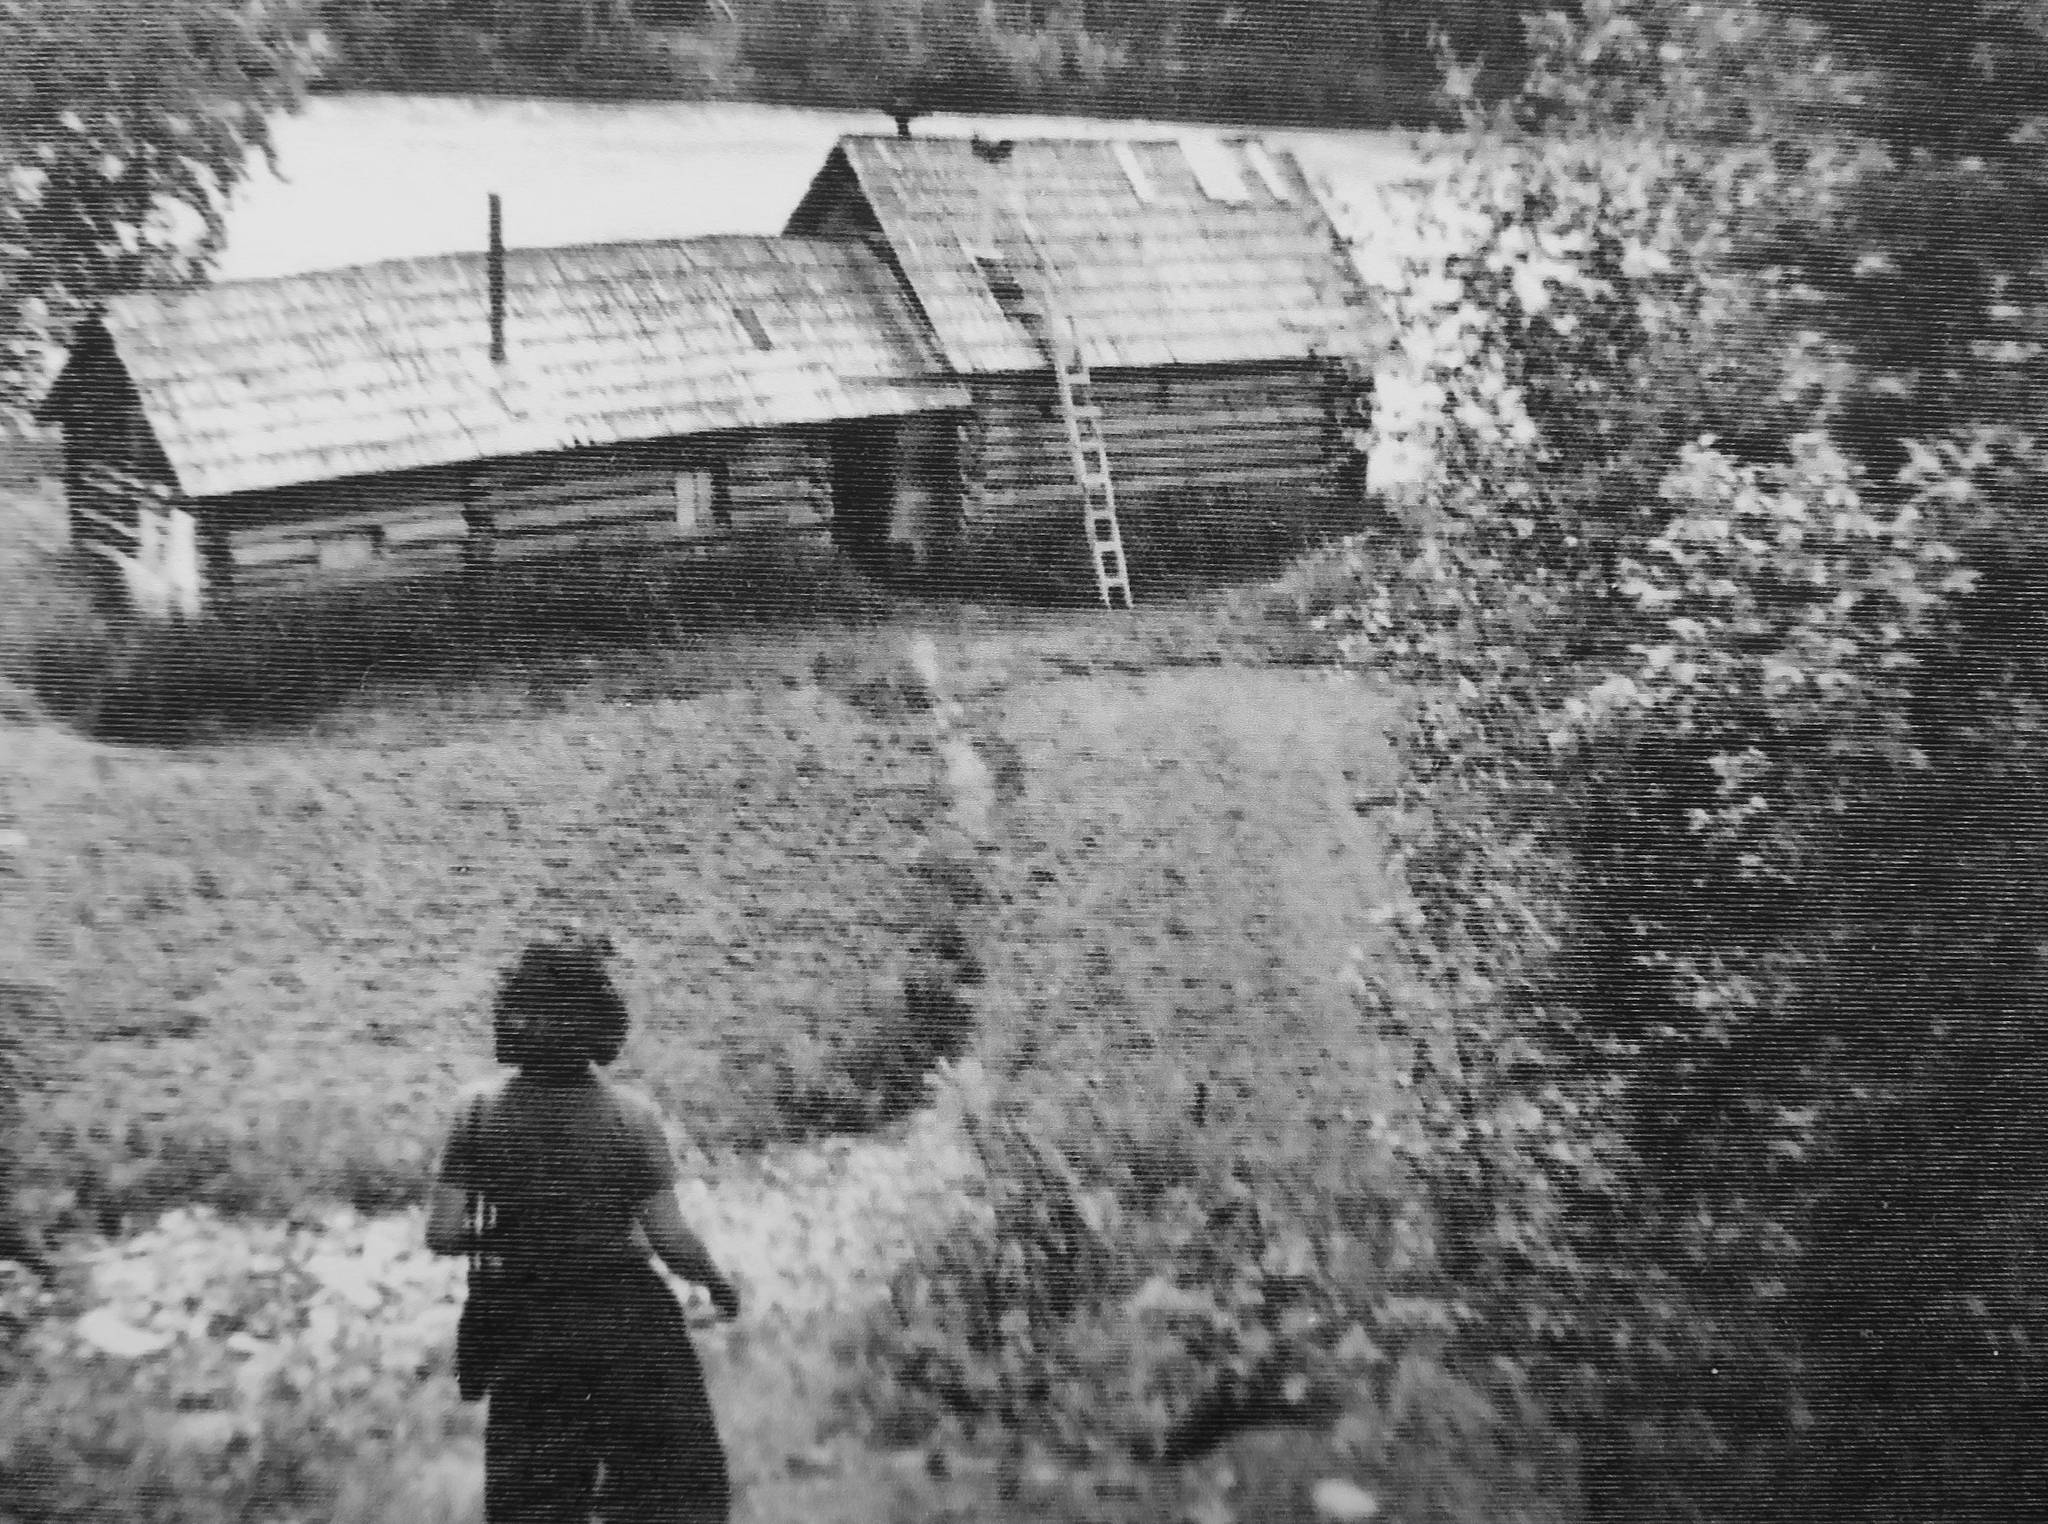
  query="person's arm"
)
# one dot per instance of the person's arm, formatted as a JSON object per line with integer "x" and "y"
{"x": 448, "y": 1197}
{"x": 447, "y": 1227}
{"x": 661, "y": 1219}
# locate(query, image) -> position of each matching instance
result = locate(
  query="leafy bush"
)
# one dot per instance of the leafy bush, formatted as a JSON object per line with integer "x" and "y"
{"x": 203, "y": 1371}
{"x": 875, "y": 1072}
{"x": 1700, "y": 906}
{"x": 1156, "y": 1270}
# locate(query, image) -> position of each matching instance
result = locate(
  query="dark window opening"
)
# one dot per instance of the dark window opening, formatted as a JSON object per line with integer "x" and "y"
{"x": 750, "y": 321}
{"x": 1003, "y": 282}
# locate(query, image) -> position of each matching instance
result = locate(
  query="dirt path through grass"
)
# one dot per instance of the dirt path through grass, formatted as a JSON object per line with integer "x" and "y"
{"x": 276, "y": 952}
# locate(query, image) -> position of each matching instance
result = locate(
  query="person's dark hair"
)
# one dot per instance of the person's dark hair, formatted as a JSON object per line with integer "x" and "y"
{"x": 557, "y": 1011}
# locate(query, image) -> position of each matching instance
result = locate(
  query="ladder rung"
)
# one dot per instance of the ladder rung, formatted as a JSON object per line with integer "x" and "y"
{"x": 1091, "y": 462}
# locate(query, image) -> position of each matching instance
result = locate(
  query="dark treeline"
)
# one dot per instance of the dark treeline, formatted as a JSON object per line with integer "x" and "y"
{"x": 1337, "y": 62}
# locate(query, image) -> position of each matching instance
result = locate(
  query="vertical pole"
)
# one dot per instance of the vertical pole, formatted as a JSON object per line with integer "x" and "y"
{"x": 497, "y": 280}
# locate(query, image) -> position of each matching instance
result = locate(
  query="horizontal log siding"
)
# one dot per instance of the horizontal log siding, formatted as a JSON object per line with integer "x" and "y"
{"x": 271, "y": 542}
{"x": 781, "y": 480}
{"x": 1171, "y": 435}
{"x": 520, "y": 511}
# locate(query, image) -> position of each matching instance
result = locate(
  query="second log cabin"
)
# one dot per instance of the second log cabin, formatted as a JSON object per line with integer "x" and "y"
{"x": 1229, "y": 336}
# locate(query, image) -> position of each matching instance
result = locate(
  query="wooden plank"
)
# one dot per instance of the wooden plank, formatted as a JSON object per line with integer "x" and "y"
{"x": 426, "y": 531}
{"x": 1164, "y": 460}
{"x": 1147, "y": 415}
{"x": 1179, "y": 380}
{"x": 1020, "y": 446}
{"x": 755, "y": 497}
{"x": 1025, "y": 451}
{"x": 582, "y": 487}
{"x": 1225, "y": 470}
{"x": 608, "y": 537}
{"x": 763, "y": 492}
{"x": 306, "y": 576}
{"x": 276, "y": 546}
{"x": 596, "y": 511}
{"x": 390, "y": 520}
{"x": 272, "y": 552}
{"x": 770, "y": 451}
{"x": 765, "y": 516}
{"x": 758, "y": 473}
{"x": 1008, "y": 499}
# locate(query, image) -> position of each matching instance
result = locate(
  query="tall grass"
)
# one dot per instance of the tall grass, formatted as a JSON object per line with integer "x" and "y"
{"x": 258, "y": 665}
{"x": 1173, "y": 1255}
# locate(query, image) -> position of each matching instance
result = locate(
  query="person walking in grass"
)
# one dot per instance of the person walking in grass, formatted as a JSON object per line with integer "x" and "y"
{"x": 557, "y": 1183}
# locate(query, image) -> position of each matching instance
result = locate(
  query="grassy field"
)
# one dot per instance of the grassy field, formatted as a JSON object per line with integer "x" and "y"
{"x": 228, "y": 928}
{"x": 263, "y": 963}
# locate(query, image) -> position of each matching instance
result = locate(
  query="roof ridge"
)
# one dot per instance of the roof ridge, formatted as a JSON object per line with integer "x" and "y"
{"x": 460, "y": 257}
{"x": 1169, "y": 139}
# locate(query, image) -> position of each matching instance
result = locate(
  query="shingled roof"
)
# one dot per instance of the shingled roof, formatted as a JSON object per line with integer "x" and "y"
{"x": 386, "y": 367}
{"x": 1164, "y": 252}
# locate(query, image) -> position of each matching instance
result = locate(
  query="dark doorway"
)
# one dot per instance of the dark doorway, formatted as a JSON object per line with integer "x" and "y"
{"x": 863, "y": 472}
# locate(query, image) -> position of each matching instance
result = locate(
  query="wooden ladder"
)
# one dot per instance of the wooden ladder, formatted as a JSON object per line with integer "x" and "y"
{"x": 1090, "y": 456}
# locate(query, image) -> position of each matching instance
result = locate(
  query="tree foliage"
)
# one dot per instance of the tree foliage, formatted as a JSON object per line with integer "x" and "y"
{"x": 1349, "y": 62}
{"x": 1724, "y": 928}
{"x": 118, "y": 120}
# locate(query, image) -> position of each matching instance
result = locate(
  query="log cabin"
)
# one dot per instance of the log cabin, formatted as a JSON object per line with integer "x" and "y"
{"x": 1221, "y": 317}
{"x": 880, "y": 374}
{"x": 383, "y": 422}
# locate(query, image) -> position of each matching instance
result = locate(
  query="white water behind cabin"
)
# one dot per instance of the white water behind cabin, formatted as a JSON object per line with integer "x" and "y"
{"x": 369, "y": 177}
{"x": 361, "y": 178}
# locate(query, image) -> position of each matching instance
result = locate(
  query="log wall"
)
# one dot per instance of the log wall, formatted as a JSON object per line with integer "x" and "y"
{"x": 620, "y": 499}
{"x": 1267, "y": 435}
{"x": 113, "y": 466}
